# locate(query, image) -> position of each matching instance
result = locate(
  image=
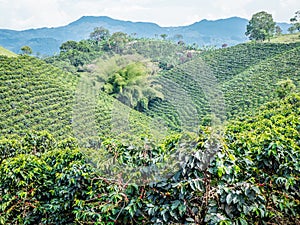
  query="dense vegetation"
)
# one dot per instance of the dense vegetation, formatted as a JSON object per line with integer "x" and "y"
{"x": 38, "y": 96}
{"x": 254, "y": 178}
{"x": 35, "y": 96}
{"x": 85, "y": 144}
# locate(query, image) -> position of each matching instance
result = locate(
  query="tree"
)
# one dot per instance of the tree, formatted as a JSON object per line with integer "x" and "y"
{"x": 118, "y": 41}
{"x": 261, "y": 26}
{"x": 132, "y": 86}
{"x": 278, "y": 30}
{"x": 291, "y": 29}
{"x": 295, "y": 22}
{"x": 100, "y": 34}
{"x": 164, "y": 36}
{"x": 26, "y": 50}
{"x": 285, "y": 87}
{"x": 69, "y": 45}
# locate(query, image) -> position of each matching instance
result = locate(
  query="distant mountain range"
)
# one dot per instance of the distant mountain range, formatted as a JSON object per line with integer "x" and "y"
{"x": 46, "y": 41}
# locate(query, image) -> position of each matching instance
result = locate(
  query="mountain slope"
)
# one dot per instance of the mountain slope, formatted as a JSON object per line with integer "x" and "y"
{"x": 46, "y": 41}
{"x": 257, "y": 84}
{"x": 37, "y": 96}
{"x": 227, "y": 82}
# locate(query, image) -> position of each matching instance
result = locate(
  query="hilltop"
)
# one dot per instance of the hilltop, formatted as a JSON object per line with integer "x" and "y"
{"x": 6, "y": 52}
{"x": 286, "y": 38}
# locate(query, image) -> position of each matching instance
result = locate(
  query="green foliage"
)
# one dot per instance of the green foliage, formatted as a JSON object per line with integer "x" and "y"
{"x": 99, "y": 34}
{"x": 248, "y": 90}
{"x": 253, "y": 178}
{"x": 26, "y": 50}
{"x": 278, "y": 30}
{"x": 248, "y": 176}
{"x": 261, "y": 26}
{"x": 295, "y": 22}
{"x": 285, "y": 88}
{"x": 35, "y": 96}
{"x": 118, "y": 42}
{"x": 131, "y": 85}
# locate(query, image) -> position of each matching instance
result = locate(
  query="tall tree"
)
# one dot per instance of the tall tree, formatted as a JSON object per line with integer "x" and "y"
{"x": 278, "y": 30}
{"x": 118, "y": 41}
{"x": 295, "y": 22}
{"x": 164, "y": 36}
{"x": 100, "y": 34}
{"x": 261, "y": 26}
{"x": 26, "y": 50}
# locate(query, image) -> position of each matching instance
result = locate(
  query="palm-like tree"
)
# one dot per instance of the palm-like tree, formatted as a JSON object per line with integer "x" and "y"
{"x": 131, "y": 84}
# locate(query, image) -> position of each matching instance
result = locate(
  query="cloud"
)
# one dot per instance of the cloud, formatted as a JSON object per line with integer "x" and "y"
{"x": 21, "y": 14}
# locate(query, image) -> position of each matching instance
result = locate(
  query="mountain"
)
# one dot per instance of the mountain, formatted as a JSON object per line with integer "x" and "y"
{"x": 46, "y": 41}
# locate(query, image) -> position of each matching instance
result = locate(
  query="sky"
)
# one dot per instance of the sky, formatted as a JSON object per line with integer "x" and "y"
{"x": 25, "y": 14}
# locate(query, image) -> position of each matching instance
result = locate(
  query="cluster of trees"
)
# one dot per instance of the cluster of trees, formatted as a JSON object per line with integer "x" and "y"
{"x": 262, "y": 26}
{"x": 132, "y": 86}
{"x": 73, "y": 55}
{"x": 295, "y": 23}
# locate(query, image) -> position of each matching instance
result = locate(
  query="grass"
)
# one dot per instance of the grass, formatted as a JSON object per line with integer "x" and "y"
{"x": 286, "y": 38}
{"x": 6, "y": 52}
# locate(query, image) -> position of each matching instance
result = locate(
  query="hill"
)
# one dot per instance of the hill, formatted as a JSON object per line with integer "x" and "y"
{"x": 252, "y": 179}
{"x": 72, "y": 153}
{"x": 226, "y": 82}
{"x": 34, "y": 96}
{"x": 197, "y": 84}
{"x": 6, "y": 52}
{"x": 38, "y": 96}
{"x": 46, "y": 41}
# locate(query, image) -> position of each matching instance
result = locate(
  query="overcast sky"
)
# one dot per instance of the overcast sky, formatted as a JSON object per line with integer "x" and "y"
{"x": 24, "y": 14}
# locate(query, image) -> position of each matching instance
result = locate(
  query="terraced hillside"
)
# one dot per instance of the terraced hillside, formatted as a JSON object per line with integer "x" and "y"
{"x": 34, "y": 95}
{"x": 227, "y": 82}
{"x": 257, "y": 84}
{"x": 228, "y": 62}
{"x": 224, "y": 82}
{"x": 37, "y": 96}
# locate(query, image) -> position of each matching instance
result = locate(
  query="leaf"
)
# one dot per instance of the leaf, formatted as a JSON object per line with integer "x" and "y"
{"x": 229, "y": 198}
{"x": 175, "y": 204}
{"x": 190, "y": 219}
{"x": 220, "y": 171}
{"x": 256, "y": 189}
{"x": 242, "y": 221}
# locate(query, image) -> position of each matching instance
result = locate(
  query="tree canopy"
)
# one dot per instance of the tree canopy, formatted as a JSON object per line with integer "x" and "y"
{"x": 295, "y": 22}
{"x": 100, "y": 34}
{"x": 261, "y": 26}
{"x": 26, "y": 50}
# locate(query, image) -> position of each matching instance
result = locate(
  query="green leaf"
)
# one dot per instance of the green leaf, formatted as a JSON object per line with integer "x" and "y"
{"x": 229, "y": 198}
